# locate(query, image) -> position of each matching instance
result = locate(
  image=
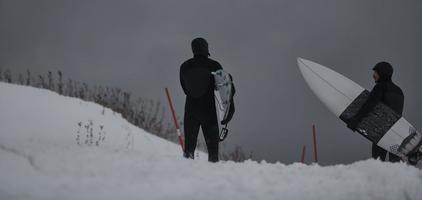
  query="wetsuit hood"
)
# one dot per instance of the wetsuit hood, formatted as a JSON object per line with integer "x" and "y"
{"x": 200, "y": 47}
{"x": 384, "y": 70}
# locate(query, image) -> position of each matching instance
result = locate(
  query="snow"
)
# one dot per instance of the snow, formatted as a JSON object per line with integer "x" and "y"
{"x": 40, "y": 159}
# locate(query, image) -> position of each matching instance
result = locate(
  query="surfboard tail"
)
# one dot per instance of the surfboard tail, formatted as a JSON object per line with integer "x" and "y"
{"x": 411, "y": 143}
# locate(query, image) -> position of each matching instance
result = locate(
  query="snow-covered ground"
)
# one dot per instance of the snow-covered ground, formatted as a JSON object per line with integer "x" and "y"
{"x": 40, "y": 158}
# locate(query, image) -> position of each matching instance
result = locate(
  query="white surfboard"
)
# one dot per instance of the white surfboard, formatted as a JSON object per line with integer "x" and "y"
{"x": 338, "y": 92}
{"x": 223, "y": 96}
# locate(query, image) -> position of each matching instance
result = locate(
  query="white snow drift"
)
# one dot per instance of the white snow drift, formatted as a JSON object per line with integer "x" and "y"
{"x": 40, "y": 158}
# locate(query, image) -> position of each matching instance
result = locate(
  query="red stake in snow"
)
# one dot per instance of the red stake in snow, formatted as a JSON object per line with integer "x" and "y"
{"x": 176, "y": 123}
{"x": 315, "y": 144}
{"x": 302, "y": 159}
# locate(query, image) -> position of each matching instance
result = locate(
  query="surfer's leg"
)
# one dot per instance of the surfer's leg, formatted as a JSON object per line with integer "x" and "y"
{"x": 393, "y": 158}
{"x": 209, "y": 126}
{"x": 378, "y": 152}
{"x": 191, "y": 128}
{"x": 211, "y": 139}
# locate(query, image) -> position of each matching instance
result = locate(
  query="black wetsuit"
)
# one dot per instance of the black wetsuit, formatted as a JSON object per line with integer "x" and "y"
{"x": 384, "y": 91}
{"x": 198, "y": 84}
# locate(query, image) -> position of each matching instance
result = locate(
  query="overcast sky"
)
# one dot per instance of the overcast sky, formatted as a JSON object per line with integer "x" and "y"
{"x": 139, "y": 46}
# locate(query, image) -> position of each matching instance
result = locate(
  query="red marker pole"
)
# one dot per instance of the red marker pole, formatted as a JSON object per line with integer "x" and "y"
{"x": 302, "y": 159}
{"x": 315, "y": 143}
{"x": 176, "y": 123}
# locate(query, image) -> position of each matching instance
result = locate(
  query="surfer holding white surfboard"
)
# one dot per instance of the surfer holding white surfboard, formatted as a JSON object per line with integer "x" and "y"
{"x": 377, "y": 119}
{"x": 384, "y": 91}
{"x": 199, "y": 76}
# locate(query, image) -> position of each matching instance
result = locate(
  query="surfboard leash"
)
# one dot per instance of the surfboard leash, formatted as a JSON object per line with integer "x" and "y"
{"x": 224, "y": 132}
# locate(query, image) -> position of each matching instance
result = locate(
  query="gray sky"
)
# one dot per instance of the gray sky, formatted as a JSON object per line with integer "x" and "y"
{"x": 139, "y": 46}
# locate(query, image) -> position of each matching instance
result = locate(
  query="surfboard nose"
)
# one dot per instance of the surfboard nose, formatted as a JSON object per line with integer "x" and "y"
{"x": 332, "y": 88}
{"x": 299, "y": 60}
{"x": 303, "y": 67}
{"x": 302, "y": 64}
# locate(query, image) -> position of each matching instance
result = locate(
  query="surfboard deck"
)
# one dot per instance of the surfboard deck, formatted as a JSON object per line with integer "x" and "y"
{"x": 222, "y": 93}
{"x": 344, "y": 98}
{"x": 376, "y": 123}
{"x": 223, "y": 96}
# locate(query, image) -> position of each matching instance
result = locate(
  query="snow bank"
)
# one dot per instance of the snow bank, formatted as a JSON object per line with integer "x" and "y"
{"x": 40, "y": 158}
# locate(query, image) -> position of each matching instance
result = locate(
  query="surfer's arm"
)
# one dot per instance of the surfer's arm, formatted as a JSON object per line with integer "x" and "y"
{"x": 216, "y": 66}
{"x": 374, "y": 97}
{"x": 182, "y": 83}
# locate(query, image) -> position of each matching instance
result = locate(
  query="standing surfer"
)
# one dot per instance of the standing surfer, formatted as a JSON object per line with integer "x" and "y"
{"x": 198, "y": 85}
{"x": 384, "y": 91}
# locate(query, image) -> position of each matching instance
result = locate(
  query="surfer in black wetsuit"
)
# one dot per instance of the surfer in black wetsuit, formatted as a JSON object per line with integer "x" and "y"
{"x": 384, "y": 91}
{"x": 198, "y": 85}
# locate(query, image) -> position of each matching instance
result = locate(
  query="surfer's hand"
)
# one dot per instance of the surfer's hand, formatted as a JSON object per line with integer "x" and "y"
{"x": 353, "y": 124}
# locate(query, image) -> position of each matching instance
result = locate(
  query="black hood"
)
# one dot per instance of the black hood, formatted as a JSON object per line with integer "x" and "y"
{"x": 384, "y": 70}
{"x": 200, "y": 47}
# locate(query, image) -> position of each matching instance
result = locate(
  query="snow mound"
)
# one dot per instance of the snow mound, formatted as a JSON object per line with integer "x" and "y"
{"x": 47, "y": 151}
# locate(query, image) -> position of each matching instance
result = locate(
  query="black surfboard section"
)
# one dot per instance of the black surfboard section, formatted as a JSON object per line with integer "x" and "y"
{"x": 377, "y": 123}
